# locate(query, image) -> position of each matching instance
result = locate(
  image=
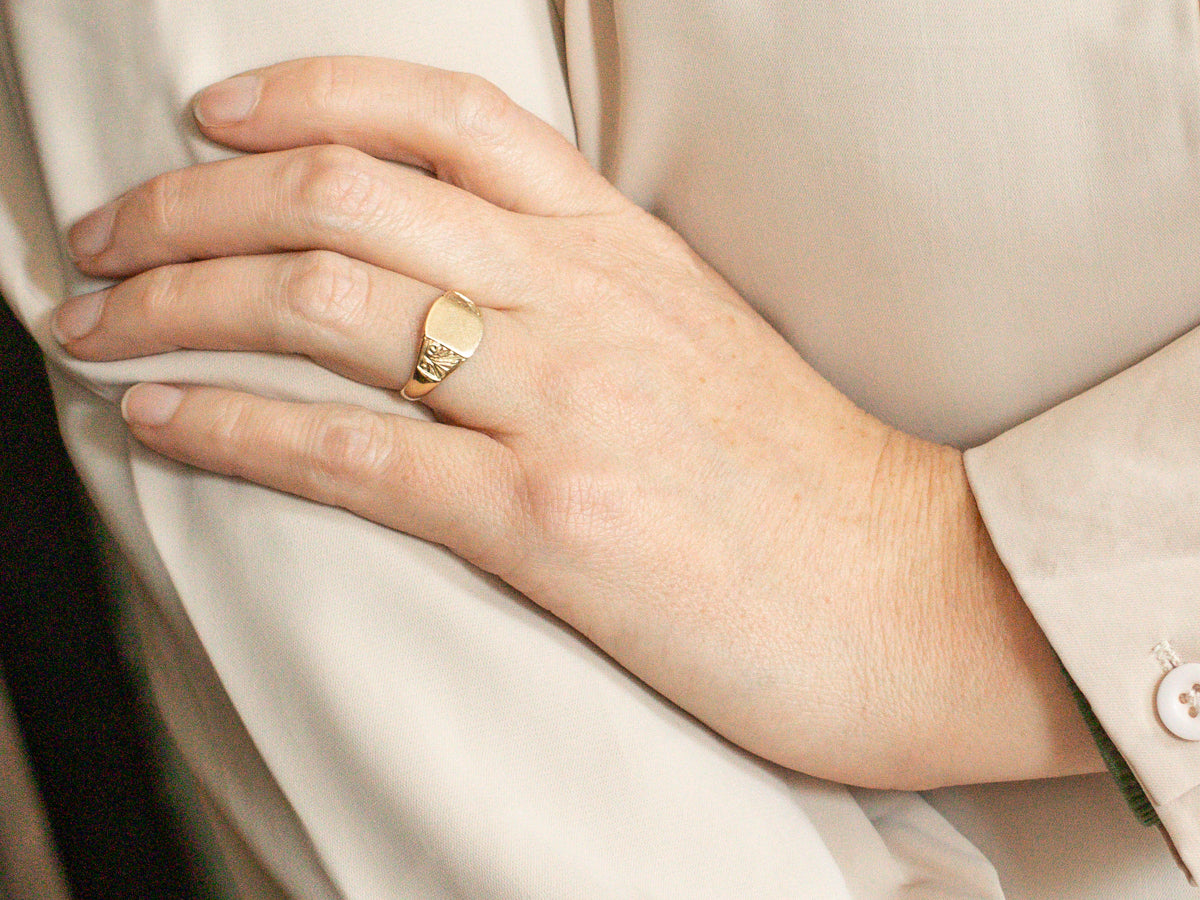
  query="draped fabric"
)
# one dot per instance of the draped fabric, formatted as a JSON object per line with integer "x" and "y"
{"x": 961, "y": 213}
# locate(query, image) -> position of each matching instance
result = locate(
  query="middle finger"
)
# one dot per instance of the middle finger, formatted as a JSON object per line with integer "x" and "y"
{"x": 311, "y": 198}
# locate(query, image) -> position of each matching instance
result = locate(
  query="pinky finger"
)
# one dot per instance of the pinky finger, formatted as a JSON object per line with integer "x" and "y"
{"x": 445, "y": 484}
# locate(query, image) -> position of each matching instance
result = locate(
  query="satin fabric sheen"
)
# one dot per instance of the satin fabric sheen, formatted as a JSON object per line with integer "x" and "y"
{"x": 962, "y": 214}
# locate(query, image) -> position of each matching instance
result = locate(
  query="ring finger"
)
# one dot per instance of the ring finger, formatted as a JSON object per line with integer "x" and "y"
{"x": 353, "y": 318}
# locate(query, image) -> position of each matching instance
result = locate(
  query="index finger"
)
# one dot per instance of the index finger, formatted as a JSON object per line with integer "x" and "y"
{"x": 458, "y": 126}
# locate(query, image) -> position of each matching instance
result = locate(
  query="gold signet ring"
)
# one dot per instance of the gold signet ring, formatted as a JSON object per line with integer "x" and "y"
{"x": 453, "y": 330}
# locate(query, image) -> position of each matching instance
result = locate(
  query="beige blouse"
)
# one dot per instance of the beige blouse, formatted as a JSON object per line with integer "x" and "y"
{"x": 963, "y": 214}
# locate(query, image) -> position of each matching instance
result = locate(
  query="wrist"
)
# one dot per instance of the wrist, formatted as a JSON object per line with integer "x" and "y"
{"x": 983, "y": 690}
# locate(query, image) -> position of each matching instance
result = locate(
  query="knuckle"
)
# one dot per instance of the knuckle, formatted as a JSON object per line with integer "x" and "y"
{"x": 348, "y": 447}
{"x": 576, "y": 385}
{"x": 571, "y": 509}
{"x": 340, "y": 190}
{"x": 326, "y": 291}
{"x": 228, "y": 431}
{"x": 476, "y": 109}
{"x": 158, "y": 293}
{"x": 596, "y": 264}
{"x": 334, "y": 83}
{"x": 164, "y": 202}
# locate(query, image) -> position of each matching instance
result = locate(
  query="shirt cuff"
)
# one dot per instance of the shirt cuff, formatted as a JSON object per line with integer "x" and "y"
{"x": 1094, "y": 509}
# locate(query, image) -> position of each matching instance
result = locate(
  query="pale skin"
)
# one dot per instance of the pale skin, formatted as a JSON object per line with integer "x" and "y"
{"x": 632, "y": 446}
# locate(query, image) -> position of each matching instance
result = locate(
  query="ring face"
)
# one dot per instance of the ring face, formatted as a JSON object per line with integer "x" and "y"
{"x": 453, "y": 330}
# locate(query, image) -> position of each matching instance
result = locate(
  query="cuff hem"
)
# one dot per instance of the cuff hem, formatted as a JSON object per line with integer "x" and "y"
{"x": 1126, "y": 781}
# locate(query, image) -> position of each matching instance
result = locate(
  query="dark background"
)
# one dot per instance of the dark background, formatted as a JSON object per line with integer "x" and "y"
{"x": 85, "y": 724}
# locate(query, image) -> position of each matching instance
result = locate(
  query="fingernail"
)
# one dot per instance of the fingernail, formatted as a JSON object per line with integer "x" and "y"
{"x": 91, "y": 235}
{"x": 78, "y": 316}
{"x": 150, "y": 405}
{"x": 228, "y": 102}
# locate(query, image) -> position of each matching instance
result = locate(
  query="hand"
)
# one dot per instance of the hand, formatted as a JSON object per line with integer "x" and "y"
{"x": 632, "y": 446}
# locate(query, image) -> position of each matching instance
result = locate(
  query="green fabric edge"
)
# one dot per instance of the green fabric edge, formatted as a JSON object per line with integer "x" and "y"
{"x": 1131, "y": 789}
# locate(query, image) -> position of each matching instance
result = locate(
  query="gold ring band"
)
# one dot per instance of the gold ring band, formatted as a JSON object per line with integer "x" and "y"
{"x": 453, "y": 330}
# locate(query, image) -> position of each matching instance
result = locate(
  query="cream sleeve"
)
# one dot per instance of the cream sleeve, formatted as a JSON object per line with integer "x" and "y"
{"x": 1094, "y": 507}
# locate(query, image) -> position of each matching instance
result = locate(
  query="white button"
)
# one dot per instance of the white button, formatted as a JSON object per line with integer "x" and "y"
{"x": 1179, "y": 701}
